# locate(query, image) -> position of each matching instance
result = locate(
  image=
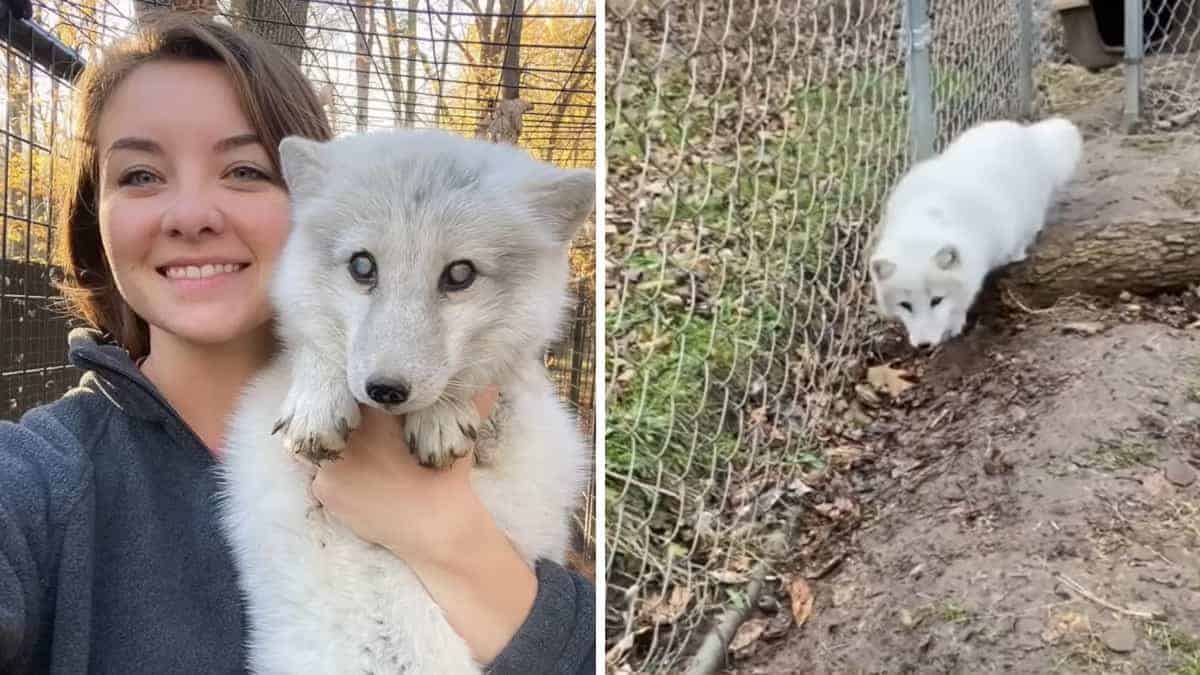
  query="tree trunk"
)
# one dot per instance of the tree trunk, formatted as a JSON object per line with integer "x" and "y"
{"x": 510, "y": 77}
{"x": 395, "y": 81}
{"x": 280, "y": 22}
{"x": 562, "y": 109}
{"x": 1102, "y": 258}
{"x": 438, "y": 104}
{"x": 364, "y": 23}
{"x": 410, "y": 101}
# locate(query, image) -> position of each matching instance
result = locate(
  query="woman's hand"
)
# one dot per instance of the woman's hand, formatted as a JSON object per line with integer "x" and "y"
{"x": 435, "y": 522}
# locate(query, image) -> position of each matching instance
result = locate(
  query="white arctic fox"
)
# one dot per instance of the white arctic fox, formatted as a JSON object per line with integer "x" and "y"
{"x": 421, "y": 267}
{"x": 955, "y": 217}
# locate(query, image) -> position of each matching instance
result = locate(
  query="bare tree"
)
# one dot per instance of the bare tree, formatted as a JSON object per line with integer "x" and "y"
{"x": 410, "y": 101}
{"x": 573, "y": 85}
{"x": 393, "y": 63}
{"x": 364, "y": 19}
{"x": 510, "y": 77}
{"x": 281, "y": 22}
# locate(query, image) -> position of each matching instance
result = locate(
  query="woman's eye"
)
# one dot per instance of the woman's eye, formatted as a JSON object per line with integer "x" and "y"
{"x": 137, "y": 177}
{"x": 935, "y": 302}
{"x": 906, "y": 306}
{"x": 247, "y": 173}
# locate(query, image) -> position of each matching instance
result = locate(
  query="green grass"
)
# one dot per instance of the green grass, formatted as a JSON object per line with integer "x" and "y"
{"x": 1124, "y": 453}
{"x": 767, "y": 205}
{"x": 1182, "y": 647}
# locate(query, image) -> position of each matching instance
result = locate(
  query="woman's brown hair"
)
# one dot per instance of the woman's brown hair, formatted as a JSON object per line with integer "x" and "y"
{"x": 274, "y": 94}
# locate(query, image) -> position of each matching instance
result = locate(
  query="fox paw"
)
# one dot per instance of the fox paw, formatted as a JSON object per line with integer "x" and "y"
{"x": 441, "y": 434}
{"x": 316, "y": 421}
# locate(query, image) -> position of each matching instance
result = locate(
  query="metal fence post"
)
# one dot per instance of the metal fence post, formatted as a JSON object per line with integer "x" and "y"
{"x": 1026, "y": 60}
{"x": 1134, "y": 52}
{"x": 920, "y": 81}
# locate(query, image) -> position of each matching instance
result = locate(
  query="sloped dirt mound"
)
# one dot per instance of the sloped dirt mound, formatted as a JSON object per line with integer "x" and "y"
{"x": 1036, "y": 508}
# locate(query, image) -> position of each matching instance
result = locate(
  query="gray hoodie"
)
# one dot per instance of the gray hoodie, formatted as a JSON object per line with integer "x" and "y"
{"x": 111, "y": 556}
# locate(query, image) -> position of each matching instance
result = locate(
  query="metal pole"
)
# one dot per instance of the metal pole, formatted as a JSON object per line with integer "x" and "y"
{"x": 1133, "y": 64}
{"x": 1026, "y": 83}
{"x": 920, "y": 81}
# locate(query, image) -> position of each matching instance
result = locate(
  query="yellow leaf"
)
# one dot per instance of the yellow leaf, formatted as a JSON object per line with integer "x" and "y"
{"x": 802, "y": 600}
{"x": 889, "y": 379}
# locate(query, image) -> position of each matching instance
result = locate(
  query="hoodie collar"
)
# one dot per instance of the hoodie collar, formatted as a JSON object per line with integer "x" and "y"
{"x": 109, "y": 370}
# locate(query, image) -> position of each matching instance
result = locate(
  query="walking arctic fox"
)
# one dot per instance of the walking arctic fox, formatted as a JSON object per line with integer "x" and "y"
{"x": 955, "y": 217}
{"x": 421, "y": 267}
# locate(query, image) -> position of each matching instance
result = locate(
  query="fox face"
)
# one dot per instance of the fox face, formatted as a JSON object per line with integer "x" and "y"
{"x": 443, "y": 260}
{"x": 929, "y": 296}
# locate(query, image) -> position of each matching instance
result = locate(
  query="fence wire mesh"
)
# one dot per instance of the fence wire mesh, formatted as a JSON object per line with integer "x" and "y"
{"x": 1170, "y": 95}
{"x": 750, "y": 147}
{"x": 512, "y": 71}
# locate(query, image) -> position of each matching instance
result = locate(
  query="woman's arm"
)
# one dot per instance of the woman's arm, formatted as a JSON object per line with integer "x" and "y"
{"x": 458, "y": 551}
{"x": 35, "y": 478}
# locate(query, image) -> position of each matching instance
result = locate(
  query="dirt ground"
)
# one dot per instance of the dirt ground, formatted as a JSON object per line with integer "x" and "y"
{"x": 1035, "y": 505}
{"x": 1032, "y": 502}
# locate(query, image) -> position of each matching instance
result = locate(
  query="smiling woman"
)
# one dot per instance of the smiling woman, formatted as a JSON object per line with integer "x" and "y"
{"x": 111, "y": 555}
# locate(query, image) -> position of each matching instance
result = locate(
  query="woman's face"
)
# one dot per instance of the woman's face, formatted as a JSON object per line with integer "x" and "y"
{"x": 191, "y": 216}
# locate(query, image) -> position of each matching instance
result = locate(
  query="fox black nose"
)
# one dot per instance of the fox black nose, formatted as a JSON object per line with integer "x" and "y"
{"x": 387, "y": 392}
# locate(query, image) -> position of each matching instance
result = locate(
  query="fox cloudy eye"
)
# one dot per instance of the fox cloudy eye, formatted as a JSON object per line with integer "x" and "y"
{"x": 457, "y": 276}
{"x": 907, "y": 307}
{"x": 362, "y": 268}
{"x": 935, "y": 302}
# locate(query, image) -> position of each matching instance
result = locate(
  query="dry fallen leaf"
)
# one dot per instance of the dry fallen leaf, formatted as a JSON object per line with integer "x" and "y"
{"x": 1084, "y": 327}
{"x": 660, "y": 610}
{"x": 747, "y": 634}
{"x": 1066, "y": 624}
{"x": 729, "y": 576}
{"x": 889, "y": 379}
{"x": 802, "y": 600}
{"x": 843, "y": 456}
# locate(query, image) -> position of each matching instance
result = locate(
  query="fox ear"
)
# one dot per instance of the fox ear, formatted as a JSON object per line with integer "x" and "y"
{"x": 564, "y": 200}
{"x": 301, "y": 164}
{"x": 947, "y": 257}
{"x": 881, "y": 268}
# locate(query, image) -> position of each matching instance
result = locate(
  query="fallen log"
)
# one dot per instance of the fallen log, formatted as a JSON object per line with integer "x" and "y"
{"x": 1130, "y": 221}
{"x": 1147, "y": 256}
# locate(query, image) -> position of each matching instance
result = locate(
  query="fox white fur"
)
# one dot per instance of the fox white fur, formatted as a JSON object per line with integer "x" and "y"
{"x": 955, "y": 217}
{"x": 321, "y": 600}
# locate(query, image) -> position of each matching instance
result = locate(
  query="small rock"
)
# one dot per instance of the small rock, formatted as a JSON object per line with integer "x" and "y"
{"x": 953, "y": 493}
{"x": 1084, "y": 327}
{"x": 1143, "y": 554}
{"x": 842, "y": 595}
{"x": 776, "y": 543}
{"x": 778, "y": 626}
{"x": 1120, "y": 638}
{"x": 768, "y": 603}
{"x": 1125, "y": 296}
{"x": 915, "y": 573}
{"x": 1179, "y": 472}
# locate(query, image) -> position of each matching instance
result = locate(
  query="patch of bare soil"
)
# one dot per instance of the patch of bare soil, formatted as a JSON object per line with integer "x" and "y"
{"x": 1034, "y": 507}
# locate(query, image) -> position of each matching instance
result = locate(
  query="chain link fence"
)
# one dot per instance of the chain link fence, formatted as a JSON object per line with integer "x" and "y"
{"x": 1166, "y": 78}
{"x": 750, "y": 147}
